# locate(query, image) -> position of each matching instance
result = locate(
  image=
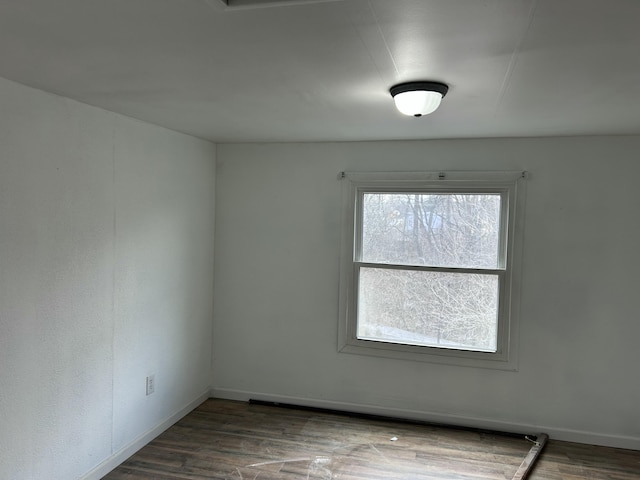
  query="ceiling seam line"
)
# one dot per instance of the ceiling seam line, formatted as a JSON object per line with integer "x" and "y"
{"x": 384, "y": 40}
{"x": 514, "y": 57}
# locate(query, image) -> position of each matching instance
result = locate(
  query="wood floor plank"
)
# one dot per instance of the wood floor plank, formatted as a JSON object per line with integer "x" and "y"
{"x": 240, "y": 441}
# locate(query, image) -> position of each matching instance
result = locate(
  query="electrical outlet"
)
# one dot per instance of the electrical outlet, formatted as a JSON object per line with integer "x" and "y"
{"x": 151, "y": 384}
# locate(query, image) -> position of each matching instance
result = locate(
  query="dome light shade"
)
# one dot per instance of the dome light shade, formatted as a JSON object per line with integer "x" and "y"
{"x": 418, "y": 98}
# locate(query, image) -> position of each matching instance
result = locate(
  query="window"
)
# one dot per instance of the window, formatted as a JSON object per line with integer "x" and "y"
{"x": 429, "y": 266}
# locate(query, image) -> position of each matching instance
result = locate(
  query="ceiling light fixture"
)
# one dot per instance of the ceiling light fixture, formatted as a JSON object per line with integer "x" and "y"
{"x": 418, "y": 98}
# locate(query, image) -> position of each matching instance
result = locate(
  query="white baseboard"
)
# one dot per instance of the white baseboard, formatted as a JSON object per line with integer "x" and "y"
{"x": 121, "y": 455}
{"x": 567, "y": 435}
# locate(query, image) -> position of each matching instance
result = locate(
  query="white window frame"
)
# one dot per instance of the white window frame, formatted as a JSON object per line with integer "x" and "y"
{"x": 510, "y": 185}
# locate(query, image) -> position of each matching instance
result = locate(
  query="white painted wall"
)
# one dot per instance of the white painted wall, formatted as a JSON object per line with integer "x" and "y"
{"x": 106, "y": 270}
{"x": 277, "y": 270}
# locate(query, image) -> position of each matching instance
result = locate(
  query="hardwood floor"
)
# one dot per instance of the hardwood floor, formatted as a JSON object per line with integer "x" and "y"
{"x": 239, "y": 441}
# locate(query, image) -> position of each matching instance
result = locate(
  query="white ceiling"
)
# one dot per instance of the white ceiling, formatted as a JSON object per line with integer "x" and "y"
{"x": 314, "y": 71}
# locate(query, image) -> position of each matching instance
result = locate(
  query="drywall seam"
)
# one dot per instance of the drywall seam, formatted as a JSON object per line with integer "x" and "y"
{"x": 114, "y": 273}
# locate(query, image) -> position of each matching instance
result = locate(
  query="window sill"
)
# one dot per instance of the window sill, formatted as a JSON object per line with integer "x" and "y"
{"x": 443, "y": 356}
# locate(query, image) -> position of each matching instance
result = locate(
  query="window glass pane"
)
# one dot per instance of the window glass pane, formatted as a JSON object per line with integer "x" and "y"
{"x": 439, "y": 309}
{"x": 428, "y": 229}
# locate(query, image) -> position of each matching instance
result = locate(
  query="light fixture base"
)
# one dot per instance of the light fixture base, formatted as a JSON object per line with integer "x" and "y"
{"x": 439, "y": 87}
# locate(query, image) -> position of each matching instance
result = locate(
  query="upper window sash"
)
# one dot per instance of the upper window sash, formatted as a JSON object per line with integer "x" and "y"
{"x": 498, "y": 182}
{"x": 505, "y": 193}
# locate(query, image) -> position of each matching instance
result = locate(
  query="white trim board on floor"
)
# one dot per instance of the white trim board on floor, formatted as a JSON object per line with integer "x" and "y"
{"x": 121, "y": 455}
{"x": 567, "y": 435}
